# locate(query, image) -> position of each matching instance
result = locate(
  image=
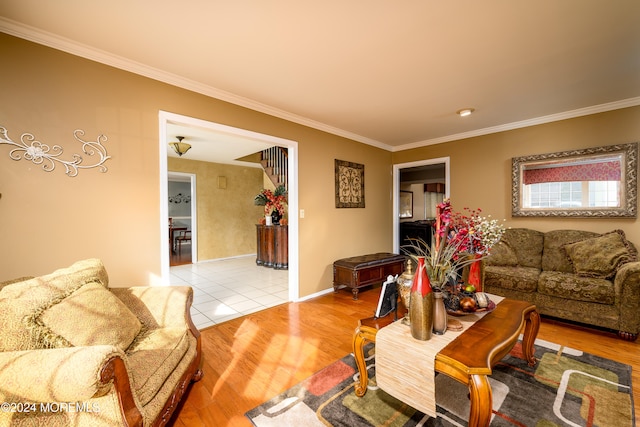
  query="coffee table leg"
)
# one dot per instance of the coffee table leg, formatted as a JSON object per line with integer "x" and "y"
{"x": 481, "y": 399}
{"x": 361, "y": 336}
{"x": 531, "y": 327}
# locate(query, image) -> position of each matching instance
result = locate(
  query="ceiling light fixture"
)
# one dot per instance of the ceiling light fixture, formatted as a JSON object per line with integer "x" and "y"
{"x": 465, "y": 112}
{"x": 180, "y": 147}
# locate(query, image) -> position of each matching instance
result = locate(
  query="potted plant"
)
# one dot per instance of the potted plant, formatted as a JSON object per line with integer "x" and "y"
{"x": 274, "y": 203}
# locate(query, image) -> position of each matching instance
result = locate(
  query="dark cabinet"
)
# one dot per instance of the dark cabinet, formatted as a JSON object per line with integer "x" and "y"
{"x": 414, "y": 230}
{"x": 272, "y": 246}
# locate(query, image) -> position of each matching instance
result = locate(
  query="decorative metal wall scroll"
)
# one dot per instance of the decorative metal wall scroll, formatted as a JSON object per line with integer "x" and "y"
{"x": 48, "y": 156}
{"x": 349, "y": 184}
{"x": 179, "y": 198}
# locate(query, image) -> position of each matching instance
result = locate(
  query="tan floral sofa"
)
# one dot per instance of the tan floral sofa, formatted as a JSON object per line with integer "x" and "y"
{"x": 74, "y": 352}
{"x": 575, "y": 275}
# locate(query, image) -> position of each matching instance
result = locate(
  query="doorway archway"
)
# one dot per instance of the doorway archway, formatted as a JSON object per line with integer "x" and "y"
{"x": 185, "y": 215}
{"x": 396, "y": 190}
{"x": 166, "y": 118}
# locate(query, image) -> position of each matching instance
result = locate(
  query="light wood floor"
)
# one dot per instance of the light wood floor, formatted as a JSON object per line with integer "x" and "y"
{"x": 251, "y": 359}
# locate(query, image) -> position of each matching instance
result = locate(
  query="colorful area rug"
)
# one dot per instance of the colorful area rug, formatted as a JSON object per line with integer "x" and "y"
{"x": 566, "y": 388}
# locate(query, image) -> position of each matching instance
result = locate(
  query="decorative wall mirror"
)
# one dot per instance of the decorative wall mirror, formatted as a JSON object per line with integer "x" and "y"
{"x": 598, "y": 182}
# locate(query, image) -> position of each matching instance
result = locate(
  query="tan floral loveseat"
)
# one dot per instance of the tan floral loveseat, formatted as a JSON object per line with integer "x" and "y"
{"x": 74, "y": 352}
{"x": 575, "y": 275}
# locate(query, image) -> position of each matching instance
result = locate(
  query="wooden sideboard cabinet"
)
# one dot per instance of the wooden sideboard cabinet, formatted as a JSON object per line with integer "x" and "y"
{"x": 273, "y": 246}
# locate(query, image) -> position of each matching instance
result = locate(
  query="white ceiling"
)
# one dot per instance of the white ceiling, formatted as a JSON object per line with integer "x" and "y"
{"x": 388, "y": 73}
{"x": 214, "y": 146}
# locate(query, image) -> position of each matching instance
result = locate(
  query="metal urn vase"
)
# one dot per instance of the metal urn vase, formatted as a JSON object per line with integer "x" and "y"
{"x": 404, "y": 283}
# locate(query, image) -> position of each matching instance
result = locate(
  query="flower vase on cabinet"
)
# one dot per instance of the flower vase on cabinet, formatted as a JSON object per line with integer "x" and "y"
{"x": 275, "y": 217}
{"x": 421, "y": 306}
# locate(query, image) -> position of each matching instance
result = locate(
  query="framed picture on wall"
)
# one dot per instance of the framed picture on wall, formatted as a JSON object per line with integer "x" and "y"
{"x": 406, "y": 204}
{"x": 349, "y": 179}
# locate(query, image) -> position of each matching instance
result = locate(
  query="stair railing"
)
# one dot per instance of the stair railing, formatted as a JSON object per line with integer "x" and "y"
{"x": 275, "y": 162}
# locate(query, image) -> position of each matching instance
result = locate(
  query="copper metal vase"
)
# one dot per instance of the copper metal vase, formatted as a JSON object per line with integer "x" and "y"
{"x": 439, "y": 314}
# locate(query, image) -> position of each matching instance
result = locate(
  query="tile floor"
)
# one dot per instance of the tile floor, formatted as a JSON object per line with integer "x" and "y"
{"x": 226, "y": 289}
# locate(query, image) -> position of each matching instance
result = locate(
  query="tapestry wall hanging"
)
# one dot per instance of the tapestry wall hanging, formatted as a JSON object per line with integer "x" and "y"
{"x": 349, "y": 184}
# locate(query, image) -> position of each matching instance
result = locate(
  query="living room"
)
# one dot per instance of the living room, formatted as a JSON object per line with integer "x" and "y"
{"x": 52, "y": 220}
{"x": 115, "y": 216}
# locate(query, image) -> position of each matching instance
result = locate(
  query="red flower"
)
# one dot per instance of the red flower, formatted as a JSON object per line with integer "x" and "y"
{"x": 272, "y": 201}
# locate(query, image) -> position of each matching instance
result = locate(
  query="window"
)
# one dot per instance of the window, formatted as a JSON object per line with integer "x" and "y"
{"x": 574, "y": 194}
{"x": 604, "y": 193}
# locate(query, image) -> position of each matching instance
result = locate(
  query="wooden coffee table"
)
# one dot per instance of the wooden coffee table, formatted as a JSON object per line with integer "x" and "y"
{"x": 470, "y": 358}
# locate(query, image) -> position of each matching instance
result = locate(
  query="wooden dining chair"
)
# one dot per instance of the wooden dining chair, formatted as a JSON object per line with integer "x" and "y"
{"x": 183, "y": 237}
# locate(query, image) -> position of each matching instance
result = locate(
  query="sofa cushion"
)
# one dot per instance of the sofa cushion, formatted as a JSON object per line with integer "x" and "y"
{"x": 502, "y": 254}
{"x": 516, "y": 278}
{"x": 22, "y": 299}
{"x": 554, "y": 255}
{"x": 91, "y": 315}
{"x": 152, "y": 358}
{"x": 600, "y": 256}
{"x": 570, "y": 286}
{"x": 527, "y": 244}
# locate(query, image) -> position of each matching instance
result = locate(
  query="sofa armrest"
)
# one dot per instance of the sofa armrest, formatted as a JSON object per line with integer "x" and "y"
{"x": 115, "y": 371}
{"x": 69, "y": 374}
{"x": 627, "y": 284}
{"x": 627, "y": 280}
{"x": 160, "y": 306}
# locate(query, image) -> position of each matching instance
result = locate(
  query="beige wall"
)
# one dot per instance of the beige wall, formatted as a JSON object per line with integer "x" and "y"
{"x": 51, "y": 220}
{"x": 226, "y": 217}
{"x": 328, "y": 233}
{"x": 481, "y": 166}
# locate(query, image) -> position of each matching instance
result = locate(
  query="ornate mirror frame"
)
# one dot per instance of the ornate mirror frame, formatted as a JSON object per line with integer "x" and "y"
{"x": 625, "y": 154}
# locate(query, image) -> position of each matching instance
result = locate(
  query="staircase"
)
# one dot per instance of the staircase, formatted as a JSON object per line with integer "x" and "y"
{"x": 275, "y": 163}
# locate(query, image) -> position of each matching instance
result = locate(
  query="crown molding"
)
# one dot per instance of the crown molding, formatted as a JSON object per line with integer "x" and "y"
{"x": 54, "y": 41}
{"x": 45, "y": 38}
{"x": 601, "y": 108}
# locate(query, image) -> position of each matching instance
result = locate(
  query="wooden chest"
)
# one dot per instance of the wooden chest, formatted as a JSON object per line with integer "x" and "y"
{"x": 359, "y": 271}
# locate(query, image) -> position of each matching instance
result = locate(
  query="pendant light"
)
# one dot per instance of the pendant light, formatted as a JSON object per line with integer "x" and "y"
{"x": 180, "y": 147}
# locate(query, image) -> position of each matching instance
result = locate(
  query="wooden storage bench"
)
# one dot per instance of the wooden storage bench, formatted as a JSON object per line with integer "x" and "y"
{"x": 359, "y": 271}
